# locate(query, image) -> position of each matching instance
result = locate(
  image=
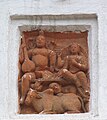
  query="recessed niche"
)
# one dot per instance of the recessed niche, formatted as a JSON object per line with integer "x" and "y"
{"x": 79, "y": 27}
{"x": 54, "y": 71}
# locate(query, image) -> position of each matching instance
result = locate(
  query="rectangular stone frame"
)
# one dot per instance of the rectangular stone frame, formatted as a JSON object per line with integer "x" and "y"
{"x": 83, "y": 22}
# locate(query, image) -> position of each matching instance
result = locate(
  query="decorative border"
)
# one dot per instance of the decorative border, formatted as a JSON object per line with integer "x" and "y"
{"x": 78, "y": 21}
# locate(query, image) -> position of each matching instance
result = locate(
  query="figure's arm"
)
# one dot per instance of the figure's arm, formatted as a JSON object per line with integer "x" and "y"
{"x": 60, "y": 94}
{"x": 52, "y": 59}
{"x": 65, "y": 66}
{"x": 49, "y": 91}
{"x": 30, "y": 53}
{"x": 82, "y": 66}
{"x": 60, "y": 62}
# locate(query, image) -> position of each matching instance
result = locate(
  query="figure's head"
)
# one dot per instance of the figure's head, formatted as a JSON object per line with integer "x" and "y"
{"x": 56, "y": 88}
{"x": 74, "y": 48}
{"x": 40, "y": 41}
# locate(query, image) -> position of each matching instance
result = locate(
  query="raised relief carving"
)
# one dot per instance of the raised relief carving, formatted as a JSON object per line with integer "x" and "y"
{"x": 53, "y": 73}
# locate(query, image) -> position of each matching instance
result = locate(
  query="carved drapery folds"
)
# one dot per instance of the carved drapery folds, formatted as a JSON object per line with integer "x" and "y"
{"x": 53, "y": 73}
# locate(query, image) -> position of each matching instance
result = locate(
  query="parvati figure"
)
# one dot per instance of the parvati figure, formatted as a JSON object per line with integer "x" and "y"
{"x": 75, "y": 68}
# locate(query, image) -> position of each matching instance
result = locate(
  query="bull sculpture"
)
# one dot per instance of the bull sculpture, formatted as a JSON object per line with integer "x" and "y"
{"x": 47, "y": 103}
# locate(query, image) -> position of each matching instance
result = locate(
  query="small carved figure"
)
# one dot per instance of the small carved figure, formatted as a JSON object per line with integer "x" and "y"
{"x": 45, "y": 102}
{"x": 59, "y": 89}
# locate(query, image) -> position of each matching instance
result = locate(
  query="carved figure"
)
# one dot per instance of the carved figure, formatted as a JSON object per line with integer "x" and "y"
{"x": 74, "y": 69}
{"x": 45, "y": 102}
{"x": 53, "y": 73}
{"x": 65, "y": 89}
{"x": 41, "y": 56}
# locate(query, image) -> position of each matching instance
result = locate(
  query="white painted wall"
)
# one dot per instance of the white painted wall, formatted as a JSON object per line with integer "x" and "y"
{"x": 24, "y": 8}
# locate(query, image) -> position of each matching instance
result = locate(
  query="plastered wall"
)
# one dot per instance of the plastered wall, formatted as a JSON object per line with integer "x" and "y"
{"x": 23, "y": 12}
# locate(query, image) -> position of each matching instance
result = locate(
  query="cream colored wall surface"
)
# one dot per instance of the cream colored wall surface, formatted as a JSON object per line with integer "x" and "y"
{"x": 15, "y": 13}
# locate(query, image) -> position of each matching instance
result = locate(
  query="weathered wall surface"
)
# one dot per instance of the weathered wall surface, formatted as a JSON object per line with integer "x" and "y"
{"x": 52, "y": 7}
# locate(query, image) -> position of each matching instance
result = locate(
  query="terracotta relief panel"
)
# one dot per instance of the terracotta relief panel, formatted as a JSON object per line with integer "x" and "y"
{"x": 53, "y": 72}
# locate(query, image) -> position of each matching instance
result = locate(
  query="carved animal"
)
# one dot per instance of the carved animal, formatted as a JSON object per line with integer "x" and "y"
{"x": 45, "y": 102}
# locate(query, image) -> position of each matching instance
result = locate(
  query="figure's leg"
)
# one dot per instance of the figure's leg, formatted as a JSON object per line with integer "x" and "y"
{"x": 83, "y": 79}
{"x": 69, "y": 76}
{"x": 26, "y": 78}
{"x": 85, "y": 85}
{"x": 87, "y": 106}
{"x": 73, "y": 78}
{"x": 47, "y": 103}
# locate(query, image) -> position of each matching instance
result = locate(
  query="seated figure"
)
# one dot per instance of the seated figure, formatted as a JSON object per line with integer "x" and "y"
{"x": 44, "y": 60}
{"x": 75, "y": 68}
